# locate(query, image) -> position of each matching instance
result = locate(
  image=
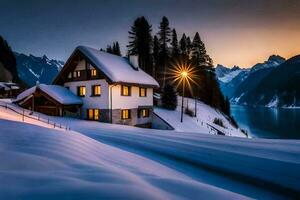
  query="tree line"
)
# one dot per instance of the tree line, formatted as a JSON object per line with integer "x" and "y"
{"x": 158, "y": 53}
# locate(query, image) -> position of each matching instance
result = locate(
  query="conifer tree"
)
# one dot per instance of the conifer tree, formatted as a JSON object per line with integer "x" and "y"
{"x": 198, "y": 50}
{"x": 116, "y": 49}
{"x": 169, "y": 97}
{"x": 155, "y": 56}
{"x": 140, "y": 43}
{"x": 164, "y": 40}
{"x": 183, "y": 46}
{"x": 189, "y": 45}
{"x": 174, "y": 45}
{"x": 8, "y": 60}
{"x": 109, "y": 49}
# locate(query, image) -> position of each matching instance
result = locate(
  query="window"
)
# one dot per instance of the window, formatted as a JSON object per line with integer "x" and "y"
{"x": 76, "y": 74}
{"x": 96, "y": 90}
{"x": 81, "y": 91}
{"x": 143, "y": 92}
{"x": 93, "y": 114}
{"x": 144, "y": 112}
{"x": 70, "y": 75}
{"x": 93, "y": 72}
{"x": 125, "y": 90}
{"x": 125, "y": 114}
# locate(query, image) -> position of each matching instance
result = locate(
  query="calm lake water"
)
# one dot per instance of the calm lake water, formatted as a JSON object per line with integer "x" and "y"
{"x": 268, "y": 122}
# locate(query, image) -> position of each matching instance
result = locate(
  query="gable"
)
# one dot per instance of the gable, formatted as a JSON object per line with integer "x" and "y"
{"x": 114, "y": 69}
{"x": 78, "y": 62}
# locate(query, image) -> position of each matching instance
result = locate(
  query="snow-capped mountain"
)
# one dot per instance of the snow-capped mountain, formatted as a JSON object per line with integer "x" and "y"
{"x": 273, "y": 61}
{"x": 278, "y": 88}
{"x": 32, "y": 69}
{"x": 229, "y": 78}
{"x": 237, "y": 81}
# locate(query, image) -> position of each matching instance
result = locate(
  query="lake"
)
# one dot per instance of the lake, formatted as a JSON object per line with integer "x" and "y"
{"x": 268, "y": 122}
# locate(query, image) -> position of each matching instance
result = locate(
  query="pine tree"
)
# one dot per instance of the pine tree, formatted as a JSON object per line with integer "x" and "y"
{"x": 174, "y": 45}
{"x": 109, "y": 49}
{"x": 189, "y": 46}
{"x": 116, "y": 49}
{"x": 183, "y": 46}
{"x": 8, "y": 60}
{"x": 198, "y": 50}
{"x": 164, "y": 40}
{"x": 140, "y": 43}
{"x": 169, "y": 97}
{"x": 155, "y": 56}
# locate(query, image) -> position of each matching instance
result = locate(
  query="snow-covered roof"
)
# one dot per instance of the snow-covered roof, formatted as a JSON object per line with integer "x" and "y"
{"x": 59, "y": 93}
{"x": 116, "y": 68}
{"x": 9, "y": 86}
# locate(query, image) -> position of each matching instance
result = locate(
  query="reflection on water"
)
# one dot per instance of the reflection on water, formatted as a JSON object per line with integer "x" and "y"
{"x": 268, "y": 122}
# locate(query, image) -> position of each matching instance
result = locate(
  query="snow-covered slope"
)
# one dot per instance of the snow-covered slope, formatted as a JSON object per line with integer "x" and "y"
{"x": 135, "y": 163}
{"x": 203, "y": 123}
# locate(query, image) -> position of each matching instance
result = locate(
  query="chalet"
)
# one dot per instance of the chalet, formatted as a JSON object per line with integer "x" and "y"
{"x": 9, "y": 89}
{"x": 112, "y": 88}
{"x": 50, "y": 99}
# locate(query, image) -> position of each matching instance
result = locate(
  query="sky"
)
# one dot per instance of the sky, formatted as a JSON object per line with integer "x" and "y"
{"x": 235, "y": 32}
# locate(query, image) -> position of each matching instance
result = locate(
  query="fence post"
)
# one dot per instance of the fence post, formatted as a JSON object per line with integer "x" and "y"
{"x": 48, "y": 120}
{"x": 54, "y": 125}
{"x": 23, "y": 115}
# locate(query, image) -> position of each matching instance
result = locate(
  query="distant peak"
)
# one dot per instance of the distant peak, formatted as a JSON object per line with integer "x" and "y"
{"x": 235, "y": 67}
{"x": 276, "y": 58}
{"x": 45, "y": 57}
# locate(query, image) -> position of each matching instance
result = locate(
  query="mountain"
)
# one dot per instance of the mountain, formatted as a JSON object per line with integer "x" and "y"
{"x": 257, "y": 73}
{"x": 229, "y": 78}
{"x": 32, "y": 69}
{"x": 278, "y": 88}
{"x": 237, "y": 81}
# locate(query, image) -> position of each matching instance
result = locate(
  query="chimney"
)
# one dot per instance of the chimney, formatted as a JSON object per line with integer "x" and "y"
{"x": 134, "y": 61}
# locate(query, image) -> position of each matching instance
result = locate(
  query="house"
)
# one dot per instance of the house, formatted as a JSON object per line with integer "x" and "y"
{"x": 51, "y": 100}
{"x": 9, "y": 89}
{"x": 112, "y": 88}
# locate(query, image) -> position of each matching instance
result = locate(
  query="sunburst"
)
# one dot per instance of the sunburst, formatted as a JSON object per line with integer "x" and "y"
{"x": 181, "y": 73}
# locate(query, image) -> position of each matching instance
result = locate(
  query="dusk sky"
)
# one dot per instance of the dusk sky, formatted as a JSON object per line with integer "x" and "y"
{"x": 236, "y": 32}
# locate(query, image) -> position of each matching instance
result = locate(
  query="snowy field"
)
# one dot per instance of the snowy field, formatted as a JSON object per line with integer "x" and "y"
{"x": 96, "y": 160}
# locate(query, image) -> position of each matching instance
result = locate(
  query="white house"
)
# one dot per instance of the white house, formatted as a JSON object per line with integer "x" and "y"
{"x": 112, "y": 88}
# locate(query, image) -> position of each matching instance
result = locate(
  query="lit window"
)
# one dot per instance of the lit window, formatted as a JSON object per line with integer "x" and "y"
{"x": 78, "y": 73}
{"x": 81, "y": 91}
{"x": 93, "y": 114}
{"x": 96, "y": 90}
{"x": 125, "y": 114}
{"x": 125, "y": 90}
{"x": 144, "y": 112}
{"x": 93, "y": 72}
{"x": 143, "y": 92}
{"x": 70, "y": 75}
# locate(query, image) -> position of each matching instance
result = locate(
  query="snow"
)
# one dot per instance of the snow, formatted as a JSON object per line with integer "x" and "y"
{"x": 117, "y": 68}
{"x": 273, "y": 103}
{"x": 228, "y": 77}
{"x": 203, "y": 123}
{"x": 41, "y": 163}
{"x": 59, "y": 93}
{"x": 99, "y": 160}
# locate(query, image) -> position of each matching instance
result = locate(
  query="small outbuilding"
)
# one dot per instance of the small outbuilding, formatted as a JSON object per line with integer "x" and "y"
{"x": 52, "y": 100}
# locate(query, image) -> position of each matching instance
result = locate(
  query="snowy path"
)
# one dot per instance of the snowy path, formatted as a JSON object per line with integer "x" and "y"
{"x": 188, "y": 165}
